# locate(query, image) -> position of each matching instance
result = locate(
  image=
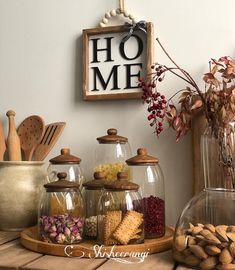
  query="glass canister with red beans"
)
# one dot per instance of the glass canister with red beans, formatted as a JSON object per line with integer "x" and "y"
{"x": 147, "y": 173}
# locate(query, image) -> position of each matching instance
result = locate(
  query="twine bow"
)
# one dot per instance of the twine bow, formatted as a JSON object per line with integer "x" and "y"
{"x": 141, "y": 25}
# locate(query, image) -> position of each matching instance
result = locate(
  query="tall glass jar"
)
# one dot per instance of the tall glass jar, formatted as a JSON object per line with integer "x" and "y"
{"x": 205, "y": 232}
{"x": 147, "y": 173}
{"x": 120, "y": 218}
{"x": 218, "y": 156}
{"x": 68, "y": 163}
{"x": 92, "y": 193}
{"x": 111, "y": 153}
{"x": 61, "y": 212}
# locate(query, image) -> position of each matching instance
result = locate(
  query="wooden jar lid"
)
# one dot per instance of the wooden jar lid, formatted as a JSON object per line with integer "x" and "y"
{"x": 98, "y": 182}
{"x": 121, "y": 183}
{"x": 142, "y": 158}
{"x": 65, "y": 157}
{"x": 61, "y": 184}
{"x": 112, "y": 137}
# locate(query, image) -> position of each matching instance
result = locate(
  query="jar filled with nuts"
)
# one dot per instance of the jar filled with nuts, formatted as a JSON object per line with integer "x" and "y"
{"x": 148, "y": 175}
{"x": 111, "y": 153}
{"x": 120, "y": 217}
{"x": 61, "y": 212}
{"x": 92, "y": 193}
{"x": 205, "y": 232}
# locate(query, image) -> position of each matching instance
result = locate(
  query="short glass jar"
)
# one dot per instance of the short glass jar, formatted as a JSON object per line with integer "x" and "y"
{"x": 61, "y": 212}
{"x": 205, "y": 232}
{"x": 92, "y": 192}
{"x": 68, "y": 163}
{"x": 111, "y": 153}
{"x": 120, "y": 217}
{"x": 147, "y": 173}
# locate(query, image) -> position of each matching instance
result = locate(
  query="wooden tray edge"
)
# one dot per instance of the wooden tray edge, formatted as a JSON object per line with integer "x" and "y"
{"x": 86, "y": 248}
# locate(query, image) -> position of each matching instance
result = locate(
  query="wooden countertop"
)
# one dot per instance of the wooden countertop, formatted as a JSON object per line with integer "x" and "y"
{"x": 14, "y": 256}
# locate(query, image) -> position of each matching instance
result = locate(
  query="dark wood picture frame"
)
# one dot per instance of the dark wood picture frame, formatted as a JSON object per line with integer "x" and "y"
{"x": 134, "y": 93}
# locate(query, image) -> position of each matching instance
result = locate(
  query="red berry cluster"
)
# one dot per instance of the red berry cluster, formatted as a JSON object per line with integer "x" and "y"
{"x": 154, "y": 217}
{"x": 156, "y": 104}
{"x": 159, "y": 72}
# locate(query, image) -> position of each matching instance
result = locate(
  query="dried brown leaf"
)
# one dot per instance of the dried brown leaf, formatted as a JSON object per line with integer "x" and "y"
{"x": 186, "y": 117}
{"x": 184, "y": 96}
{"x": 224, "y": 86}
{"x": 170, "y": 122}
{"x": 177, "y": 122}
{"x": 222, "y": 59}
{"x": 169, "y": 115}
{"x": 173, "y": 110}
{"x": 208, "y": 77}
{"x": 233, "y": 91}
{"x": 214, "y": 69}
{"x": 230, "y": 70}
{"x": 232, "y": 106}
{"x": 223, "y": 113}
{"x": 197, "y": 104}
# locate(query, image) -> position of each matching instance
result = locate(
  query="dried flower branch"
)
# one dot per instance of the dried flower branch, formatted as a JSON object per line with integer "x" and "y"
{"x": 217, "y": 102}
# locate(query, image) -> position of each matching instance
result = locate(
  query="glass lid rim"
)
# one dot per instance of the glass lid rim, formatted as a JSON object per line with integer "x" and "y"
{"x": 220, "y": 189}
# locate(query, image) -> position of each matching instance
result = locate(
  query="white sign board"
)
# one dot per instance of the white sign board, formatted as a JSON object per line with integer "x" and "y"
{"x": 112, "y": 65}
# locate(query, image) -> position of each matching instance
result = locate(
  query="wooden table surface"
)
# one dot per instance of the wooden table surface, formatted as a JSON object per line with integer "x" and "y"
{"x": 15, "y": 256}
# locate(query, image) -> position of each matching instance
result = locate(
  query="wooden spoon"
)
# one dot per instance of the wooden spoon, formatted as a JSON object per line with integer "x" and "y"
{"x": 30, "y": 131}
{"x": 2, "y": 142}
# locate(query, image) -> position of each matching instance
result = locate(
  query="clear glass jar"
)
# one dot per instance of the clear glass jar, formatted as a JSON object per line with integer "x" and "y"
{"x": 92, "y": 193}
{"x": 111, "y": 153}
{"x": 61, "y": 212}
{"x": 148, "y": 175}
{"x": 68, "y": 163}
{"x": 205, "y": 232}
{"x": 218, "y": 156}
{"x": 120, "y": 217}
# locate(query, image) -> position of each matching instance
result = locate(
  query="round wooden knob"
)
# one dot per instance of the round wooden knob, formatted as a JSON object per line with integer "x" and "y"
{"x": 142, "y": 151}
{"x": 112, "y": 131}
{"x": 62, "y": 175}
{"x": 98, "y": 175}
{"x": 10, "y": 113}
{"x": 122, "y": 175}
{"x": 65, "y": 151}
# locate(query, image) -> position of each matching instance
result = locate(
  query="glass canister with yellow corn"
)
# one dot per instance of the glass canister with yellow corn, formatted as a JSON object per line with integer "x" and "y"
{"x": 111, "y": 154}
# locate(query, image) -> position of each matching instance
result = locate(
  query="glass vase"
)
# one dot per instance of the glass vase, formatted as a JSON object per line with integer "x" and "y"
{"x": 218, "y": 156}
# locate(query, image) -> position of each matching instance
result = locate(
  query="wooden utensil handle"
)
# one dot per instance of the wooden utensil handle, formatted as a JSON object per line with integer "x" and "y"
{"x": 2, "y": 142}
{"x": 13, "y": 140}
{"x": 28, "y": 154}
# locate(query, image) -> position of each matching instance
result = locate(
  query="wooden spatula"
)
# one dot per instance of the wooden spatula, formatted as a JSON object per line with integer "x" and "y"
{"x": 30, "y": 131}
{"x": 2, "y": 142}
{"x": 50, "y": 137}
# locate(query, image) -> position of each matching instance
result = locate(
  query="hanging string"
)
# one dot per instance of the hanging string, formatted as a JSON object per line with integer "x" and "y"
{"x": 116, "y": 12}
{"x": 121, "y": 6}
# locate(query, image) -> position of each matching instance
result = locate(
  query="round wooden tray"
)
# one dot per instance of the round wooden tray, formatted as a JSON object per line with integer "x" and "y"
{"x": 89, "y": 249}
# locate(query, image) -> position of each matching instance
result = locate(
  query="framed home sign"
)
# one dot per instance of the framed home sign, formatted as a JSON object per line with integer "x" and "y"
{"x": 113, "y": 59}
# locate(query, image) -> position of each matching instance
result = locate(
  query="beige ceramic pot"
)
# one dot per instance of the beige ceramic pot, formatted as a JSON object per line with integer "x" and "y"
{"x": 21, "y": 185}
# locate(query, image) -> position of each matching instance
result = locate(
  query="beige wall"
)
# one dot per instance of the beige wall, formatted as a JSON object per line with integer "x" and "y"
{"x": 41, "y": 73}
